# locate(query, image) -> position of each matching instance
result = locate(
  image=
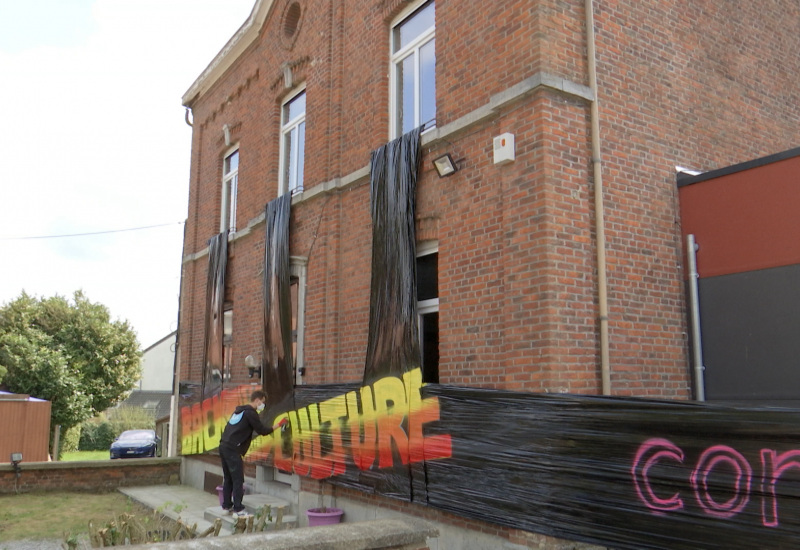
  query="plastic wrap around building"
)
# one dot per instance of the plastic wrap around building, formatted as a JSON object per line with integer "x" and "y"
{"x": 745, "y": 222}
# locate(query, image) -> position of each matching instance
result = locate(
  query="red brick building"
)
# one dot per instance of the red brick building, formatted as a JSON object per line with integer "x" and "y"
{"x": 553, "y": 264}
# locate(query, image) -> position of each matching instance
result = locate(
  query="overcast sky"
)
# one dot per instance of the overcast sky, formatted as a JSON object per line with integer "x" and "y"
{"x": 93, "y": 139}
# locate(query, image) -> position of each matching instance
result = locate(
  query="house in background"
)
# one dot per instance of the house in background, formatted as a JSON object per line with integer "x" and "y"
{"x": 154, "y": 392}
{"x": 546, "y": 226}
{"x": 158, "y": 364}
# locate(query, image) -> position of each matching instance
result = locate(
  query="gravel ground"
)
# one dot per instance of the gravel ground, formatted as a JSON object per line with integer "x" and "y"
{"x": 44, "y": 544}
{"x": 47, "y": 544}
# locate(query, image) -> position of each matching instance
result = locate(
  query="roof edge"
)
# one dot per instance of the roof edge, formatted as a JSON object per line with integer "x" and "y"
{"x": 685, "y": 179}
{"x": 246, "y": 35}
{"x": 160, "y": 340}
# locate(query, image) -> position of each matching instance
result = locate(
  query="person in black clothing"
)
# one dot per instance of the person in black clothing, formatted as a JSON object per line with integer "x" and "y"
{"x": 234, "y": 444}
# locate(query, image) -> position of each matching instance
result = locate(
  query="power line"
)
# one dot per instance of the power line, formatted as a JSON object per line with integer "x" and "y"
{"x": 88, "y": 234}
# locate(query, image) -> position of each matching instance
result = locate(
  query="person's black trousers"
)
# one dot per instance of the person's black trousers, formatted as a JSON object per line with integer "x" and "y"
{"x": 233, "y": 478}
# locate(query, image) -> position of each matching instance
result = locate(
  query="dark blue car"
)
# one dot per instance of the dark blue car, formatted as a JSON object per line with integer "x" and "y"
{"x": 135, "y": 444}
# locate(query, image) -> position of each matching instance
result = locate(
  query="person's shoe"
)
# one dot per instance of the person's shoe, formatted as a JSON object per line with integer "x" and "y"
{"x": 227, "y": 511}
{"x": 241, "y": 514}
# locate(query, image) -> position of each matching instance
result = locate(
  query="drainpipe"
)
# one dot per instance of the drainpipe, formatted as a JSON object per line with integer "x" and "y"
{"x": 694, "y": 308}
{"x": 602, "y": 283}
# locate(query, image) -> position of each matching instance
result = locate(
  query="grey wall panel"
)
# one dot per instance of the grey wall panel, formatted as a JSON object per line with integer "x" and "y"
{"x": 751, "y": 335}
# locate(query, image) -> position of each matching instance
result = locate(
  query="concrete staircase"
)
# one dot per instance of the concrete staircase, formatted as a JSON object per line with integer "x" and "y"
{"x": 256, "y": 504}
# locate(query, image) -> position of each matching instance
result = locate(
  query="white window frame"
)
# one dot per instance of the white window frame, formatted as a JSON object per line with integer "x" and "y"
{"x": 227, "y": 343}
{"x": 425, "y": 307}
{"x": 395, "y": 58}
{"x": 287, "y": 126}
{"x": 298, "y": 268}
{"x": 425, "y": 249}
{"x": 230, "y": 190}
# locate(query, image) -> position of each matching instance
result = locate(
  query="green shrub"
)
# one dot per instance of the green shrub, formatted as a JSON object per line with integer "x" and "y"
{"x": 131, "y": 418}
{"x": 96, "y": 436}
{"x": 69, "y": 440}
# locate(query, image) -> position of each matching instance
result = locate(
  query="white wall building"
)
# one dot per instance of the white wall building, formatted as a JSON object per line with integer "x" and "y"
{"x": 158, "y": 362}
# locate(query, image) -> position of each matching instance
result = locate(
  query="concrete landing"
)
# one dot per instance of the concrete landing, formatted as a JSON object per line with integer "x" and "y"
{"x": 195, "y": 507}
{"x": 176, "y": 502}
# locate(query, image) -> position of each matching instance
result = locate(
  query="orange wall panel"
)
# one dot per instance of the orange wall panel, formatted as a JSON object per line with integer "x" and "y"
{"x": 745, "y": 220}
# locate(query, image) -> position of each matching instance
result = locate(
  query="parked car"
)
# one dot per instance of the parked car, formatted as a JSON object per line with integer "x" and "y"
{"x": 135, "y": 444}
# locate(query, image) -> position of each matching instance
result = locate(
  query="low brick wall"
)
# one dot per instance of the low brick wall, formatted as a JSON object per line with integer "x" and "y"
{"x": 382, "y": 534}
{"x": 91, "y": 476}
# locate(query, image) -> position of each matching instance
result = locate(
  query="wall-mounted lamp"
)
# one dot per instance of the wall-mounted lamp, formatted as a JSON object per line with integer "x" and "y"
{"x": 445, "y": 165}
{"x": 16, "y": 458}
{"x": 253, "y": 367}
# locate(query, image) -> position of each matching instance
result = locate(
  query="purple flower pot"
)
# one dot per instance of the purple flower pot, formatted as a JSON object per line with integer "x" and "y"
{"x": 316, "y": 516}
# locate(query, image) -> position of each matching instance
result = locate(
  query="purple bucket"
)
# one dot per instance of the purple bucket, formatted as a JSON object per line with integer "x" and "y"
{"x": 323, "y": 516}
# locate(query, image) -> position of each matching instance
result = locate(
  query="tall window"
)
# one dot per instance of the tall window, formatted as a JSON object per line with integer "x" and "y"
{"x": 227, "y": 342}
{"x": 414, "y": 71}
{"x": 293, "y": 143}
{"x": 230, "y": 184}
{"x": 297, "y": 270}
{"x": 428, "y": 309}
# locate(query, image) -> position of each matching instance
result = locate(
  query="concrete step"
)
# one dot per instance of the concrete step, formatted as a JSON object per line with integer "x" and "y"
{"x": 228, "y": 521}
{"x": 254, "y": 504}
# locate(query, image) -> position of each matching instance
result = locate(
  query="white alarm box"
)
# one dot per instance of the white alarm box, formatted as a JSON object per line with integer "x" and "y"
{"x": 503, "y": 146}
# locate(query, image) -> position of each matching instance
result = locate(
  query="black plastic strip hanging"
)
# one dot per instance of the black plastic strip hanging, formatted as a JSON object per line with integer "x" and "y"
{"x": 393, "y": 340}
{"x": 278, "y": 364}
{"x": 213, "y": 352}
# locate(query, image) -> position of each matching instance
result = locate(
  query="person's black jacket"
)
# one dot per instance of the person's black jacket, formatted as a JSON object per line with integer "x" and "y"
{"x": 239, "y": 430}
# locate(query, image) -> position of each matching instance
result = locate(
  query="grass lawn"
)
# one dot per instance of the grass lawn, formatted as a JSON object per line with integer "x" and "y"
{"x": 51, "y": 515}
{"x": 85, "y": 455}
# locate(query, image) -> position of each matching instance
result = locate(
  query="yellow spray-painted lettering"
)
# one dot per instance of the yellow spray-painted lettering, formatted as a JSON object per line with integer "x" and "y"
{"x": 376, "y": 425}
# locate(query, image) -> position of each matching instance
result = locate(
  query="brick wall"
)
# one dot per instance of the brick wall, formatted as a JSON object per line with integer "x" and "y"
{"x": 91, "y": 477}
{"x": 700, "y": 85}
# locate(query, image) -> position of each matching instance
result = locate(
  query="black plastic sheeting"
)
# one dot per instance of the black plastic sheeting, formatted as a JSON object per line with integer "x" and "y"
{"x": 278, "y": 369}
{"x": 393, "y": 337}
{"x": 626, "y": 473}
{"x": 623, "y": 473}
{"x": 213, "y": 350}
{"x": 393, "y": 340}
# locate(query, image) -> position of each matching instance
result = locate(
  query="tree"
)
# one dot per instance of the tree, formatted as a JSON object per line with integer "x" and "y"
{"x": 69, "y": 353}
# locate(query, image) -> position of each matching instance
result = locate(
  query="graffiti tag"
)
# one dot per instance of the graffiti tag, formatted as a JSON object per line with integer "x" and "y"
{"x": 377, "y": 426}
{"x": 739, "y": 476}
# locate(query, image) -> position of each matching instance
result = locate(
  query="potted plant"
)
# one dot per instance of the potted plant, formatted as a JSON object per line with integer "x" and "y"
{"x": 323, "y": 516}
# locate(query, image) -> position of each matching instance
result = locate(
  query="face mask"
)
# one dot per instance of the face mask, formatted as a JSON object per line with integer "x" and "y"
{"x": 261, "y": 407}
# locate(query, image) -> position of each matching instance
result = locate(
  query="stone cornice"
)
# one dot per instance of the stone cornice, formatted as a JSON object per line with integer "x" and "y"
{"x": 246, "y": 35}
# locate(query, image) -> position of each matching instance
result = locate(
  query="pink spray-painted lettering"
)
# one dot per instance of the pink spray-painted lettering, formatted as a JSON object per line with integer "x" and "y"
{"x": 738, "y": 474}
